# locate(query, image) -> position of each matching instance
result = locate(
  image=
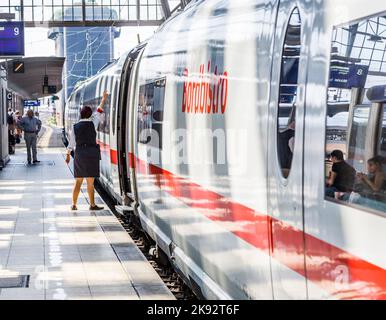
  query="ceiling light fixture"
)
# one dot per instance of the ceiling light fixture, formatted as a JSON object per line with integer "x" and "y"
{"x": 375, "y": 38}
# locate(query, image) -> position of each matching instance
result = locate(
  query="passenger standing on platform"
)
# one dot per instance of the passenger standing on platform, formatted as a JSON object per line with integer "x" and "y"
{"x": 11, "y": 130}
{"x": 86, "y": 152}
{"x": 11, "y": 120}
{"x": 31, "y": 127}
{"x": 18, "y": 118}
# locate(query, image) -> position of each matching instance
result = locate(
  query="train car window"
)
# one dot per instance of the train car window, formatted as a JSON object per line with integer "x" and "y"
{"x": 76, "y": 106}
{"x": 114, "y": 105}
{"x": 104, "y": 124}
{"x": 150, "y": 113}
{"x": 68, "y": 110}
{"x": 288, "y": 93}
{"x": 93, "y": 98}
{"x": 356, "y": 116}
{"x": 90, "y": 94}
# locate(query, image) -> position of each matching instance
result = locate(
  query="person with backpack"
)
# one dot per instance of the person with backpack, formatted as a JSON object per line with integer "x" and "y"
{"x": 18, "y": 118}
{"x": 11, "y": 120}
{"x": 11, "y": 129}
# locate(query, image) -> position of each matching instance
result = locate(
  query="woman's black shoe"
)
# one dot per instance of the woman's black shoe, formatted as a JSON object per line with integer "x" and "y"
{"x": 73, "y": 208}
{"x": 95, "y": 208}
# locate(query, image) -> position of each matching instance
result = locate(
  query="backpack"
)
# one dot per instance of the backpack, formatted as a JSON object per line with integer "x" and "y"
{"x": 10, "y": 119}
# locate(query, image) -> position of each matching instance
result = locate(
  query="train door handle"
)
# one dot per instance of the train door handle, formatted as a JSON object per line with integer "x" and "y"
{"x": 270, "y": 235}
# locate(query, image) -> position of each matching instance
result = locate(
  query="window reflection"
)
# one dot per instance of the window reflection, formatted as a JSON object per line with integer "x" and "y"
{"x": 356, "y": 115}
{"x": 288, "y": 93}
{"x": 150, "y": 112}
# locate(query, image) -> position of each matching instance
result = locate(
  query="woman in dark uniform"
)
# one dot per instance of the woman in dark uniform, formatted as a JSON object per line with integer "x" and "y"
{"x": 86, "y": 153}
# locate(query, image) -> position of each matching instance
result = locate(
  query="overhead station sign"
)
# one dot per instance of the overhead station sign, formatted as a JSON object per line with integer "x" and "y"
{"x": 348, "y": 76}
{"x": 31, "y": 103}
{"x": 11, "y": 39}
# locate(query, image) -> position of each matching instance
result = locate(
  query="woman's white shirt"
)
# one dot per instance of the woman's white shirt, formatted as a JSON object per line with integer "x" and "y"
{"x": 95, "y": 118}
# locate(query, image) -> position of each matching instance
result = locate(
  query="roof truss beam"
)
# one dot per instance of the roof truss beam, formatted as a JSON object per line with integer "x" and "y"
{"x": 60, "y": 13}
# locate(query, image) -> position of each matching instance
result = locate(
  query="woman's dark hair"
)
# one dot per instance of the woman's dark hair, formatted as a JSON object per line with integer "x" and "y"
{"x": 376, "y": 160}
{"x": 85, "y": 112}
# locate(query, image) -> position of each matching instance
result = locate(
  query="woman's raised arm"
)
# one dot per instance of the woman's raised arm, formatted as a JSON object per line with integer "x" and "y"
{"x": 103, "y": 101}
{"x": 96, "y": 117}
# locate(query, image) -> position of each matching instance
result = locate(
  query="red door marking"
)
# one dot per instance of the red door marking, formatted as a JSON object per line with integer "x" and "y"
{"x": 105, "y": 148}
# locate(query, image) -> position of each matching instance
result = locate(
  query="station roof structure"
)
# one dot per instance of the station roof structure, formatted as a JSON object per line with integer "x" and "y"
{"x": 78, "y": 13}
{"x": 364, "y": 43}
{"x": 29, "y": 83}
{"x": 361, "y": 44}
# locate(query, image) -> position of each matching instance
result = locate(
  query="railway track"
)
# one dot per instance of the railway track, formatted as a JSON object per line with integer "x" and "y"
{"x": 168, "y": 275}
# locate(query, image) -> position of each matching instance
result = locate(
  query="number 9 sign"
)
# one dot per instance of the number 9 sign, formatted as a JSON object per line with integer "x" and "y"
{"x": 11, "y": 38}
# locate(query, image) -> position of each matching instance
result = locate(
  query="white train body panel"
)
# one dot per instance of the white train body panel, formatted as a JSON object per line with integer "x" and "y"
{"x": 210, "y": 249}
{"x": 203, "y": 163}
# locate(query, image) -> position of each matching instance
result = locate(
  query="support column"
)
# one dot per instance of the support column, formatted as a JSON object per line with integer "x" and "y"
{"x": 166, "y": 8}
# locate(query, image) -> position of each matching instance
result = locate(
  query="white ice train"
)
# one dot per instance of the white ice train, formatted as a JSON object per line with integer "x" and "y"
{"x": 193, "y": 137}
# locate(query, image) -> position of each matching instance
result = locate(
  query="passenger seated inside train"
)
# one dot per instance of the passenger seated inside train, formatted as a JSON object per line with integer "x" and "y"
{"x": 341, "y": 178}
{"x": 370, "y": 188}
{"x": 374, "y": 180}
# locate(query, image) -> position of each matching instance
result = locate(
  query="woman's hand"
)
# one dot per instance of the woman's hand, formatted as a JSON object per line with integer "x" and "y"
{"x": 104, "y": 98}
{"x": 361, "y": 176}
{"x": 105, "y": 95}
{"x": 68, "y": 158}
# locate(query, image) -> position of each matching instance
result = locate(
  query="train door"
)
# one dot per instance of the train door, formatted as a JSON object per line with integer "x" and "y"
{"x": 103, "y": 131}
{"x": 285, "y": 153}
{"x": 131, "y": 134}
{"x": 122, "y": 120}
{"x": 124, "y": 124}
{"x": 113, "y": 134}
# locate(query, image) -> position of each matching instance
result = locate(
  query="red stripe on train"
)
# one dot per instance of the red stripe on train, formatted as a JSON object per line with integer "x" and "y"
{"x": 326, "y": 264}
{"x": 105, "y": 148}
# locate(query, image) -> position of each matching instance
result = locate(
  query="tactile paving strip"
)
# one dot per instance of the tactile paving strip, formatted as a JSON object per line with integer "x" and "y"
{"x": 42, "y": 163}
{"x": 21, "y": 281}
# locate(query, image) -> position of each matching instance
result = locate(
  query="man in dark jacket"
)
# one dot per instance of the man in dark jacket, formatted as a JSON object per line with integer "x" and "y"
{"x": 342, "y": 176}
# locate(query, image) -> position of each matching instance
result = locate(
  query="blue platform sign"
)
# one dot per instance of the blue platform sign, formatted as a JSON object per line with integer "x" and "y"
{"x": 348, "y": 76}
{"x": 31, "y": 103}
{"x": 11, "y": 39}
{"x": 357, "y": 76}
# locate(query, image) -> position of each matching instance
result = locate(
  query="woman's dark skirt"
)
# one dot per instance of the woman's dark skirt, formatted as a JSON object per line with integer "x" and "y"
{"x": 86, "y": 162}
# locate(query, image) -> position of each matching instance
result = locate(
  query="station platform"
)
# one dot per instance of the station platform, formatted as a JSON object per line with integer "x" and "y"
{"x": 48, "y": 251}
